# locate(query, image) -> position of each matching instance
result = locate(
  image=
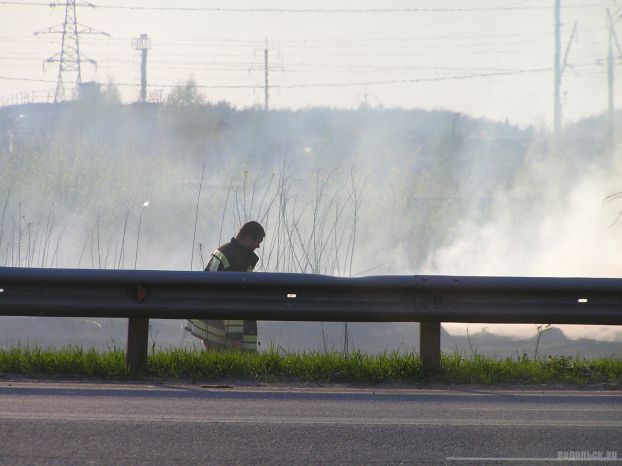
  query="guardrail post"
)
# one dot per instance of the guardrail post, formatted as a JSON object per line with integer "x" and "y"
{"x": 137, "y": 343}
{"x": 430, "y": 345}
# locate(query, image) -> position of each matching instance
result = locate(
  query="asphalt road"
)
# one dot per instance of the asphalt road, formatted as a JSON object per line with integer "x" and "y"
{"x": 91, "y": 423}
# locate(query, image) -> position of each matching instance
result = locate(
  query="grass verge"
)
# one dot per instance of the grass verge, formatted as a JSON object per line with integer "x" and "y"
{"x": 358, "y": 368}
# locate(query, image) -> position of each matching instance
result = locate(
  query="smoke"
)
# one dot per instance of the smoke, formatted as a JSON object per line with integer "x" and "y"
{"x": 367, "y": 192}
{"x": 554, "y": 220}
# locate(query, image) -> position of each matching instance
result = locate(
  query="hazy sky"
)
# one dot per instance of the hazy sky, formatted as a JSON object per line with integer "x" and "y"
{"x": 490, "y": 58}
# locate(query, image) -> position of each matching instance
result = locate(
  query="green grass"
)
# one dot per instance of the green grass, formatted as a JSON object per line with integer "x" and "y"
{"x": 358, "y": 368}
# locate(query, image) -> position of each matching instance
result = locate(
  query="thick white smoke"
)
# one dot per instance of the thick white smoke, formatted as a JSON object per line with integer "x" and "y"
{"x": 555, "y": 220}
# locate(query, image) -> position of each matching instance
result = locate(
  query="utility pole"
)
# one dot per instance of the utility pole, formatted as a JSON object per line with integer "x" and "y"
{"x": 557, "y": 106}
{"x": 266, "y": 85}
{"x": 610, "y": 80}
{"x": 69, "y": 58}
{"x": 559, "y": 66}
{"x": 613, "y": 39}
{"x": 142, "y": 43}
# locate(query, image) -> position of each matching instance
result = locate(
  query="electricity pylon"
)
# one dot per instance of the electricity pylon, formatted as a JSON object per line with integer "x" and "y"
{"x": 69, "y": 58}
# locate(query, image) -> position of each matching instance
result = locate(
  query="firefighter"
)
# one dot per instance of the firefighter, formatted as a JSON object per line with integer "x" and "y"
{"x": 236, "y": 256}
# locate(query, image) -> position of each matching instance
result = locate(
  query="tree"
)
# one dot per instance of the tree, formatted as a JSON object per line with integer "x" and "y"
{"x": 185, "y": 95}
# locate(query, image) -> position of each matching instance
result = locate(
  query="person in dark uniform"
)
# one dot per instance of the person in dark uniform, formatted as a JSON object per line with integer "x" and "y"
{"x": 235, "y": 256}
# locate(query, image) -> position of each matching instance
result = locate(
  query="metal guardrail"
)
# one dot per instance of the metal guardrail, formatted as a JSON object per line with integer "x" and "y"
{"x": 140, "y": 295}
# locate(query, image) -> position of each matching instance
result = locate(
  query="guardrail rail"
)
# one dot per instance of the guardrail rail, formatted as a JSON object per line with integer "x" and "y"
{"x": 140, "y": 295}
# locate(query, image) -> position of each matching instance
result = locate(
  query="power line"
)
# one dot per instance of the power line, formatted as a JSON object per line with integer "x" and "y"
{"x": 415, "y": 80}
{"x": 327, "y": 84}
{"x": 313, "y": 10}
{"x": 457, "y": 77}
{"x": 38, "y": 80}
{"x": 25, "y": 3}
{"x": 342, "y": 10}
{"x": 171, "y": 62}
{"x": 376, "y": 42}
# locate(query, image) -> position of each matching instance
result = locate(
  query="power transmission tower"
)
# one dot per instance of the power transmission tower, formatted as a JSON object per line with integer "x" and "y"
{"x": 69, "y": 58}
{"x": 266, "y": 85}
{"x": 142, "y": 43}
